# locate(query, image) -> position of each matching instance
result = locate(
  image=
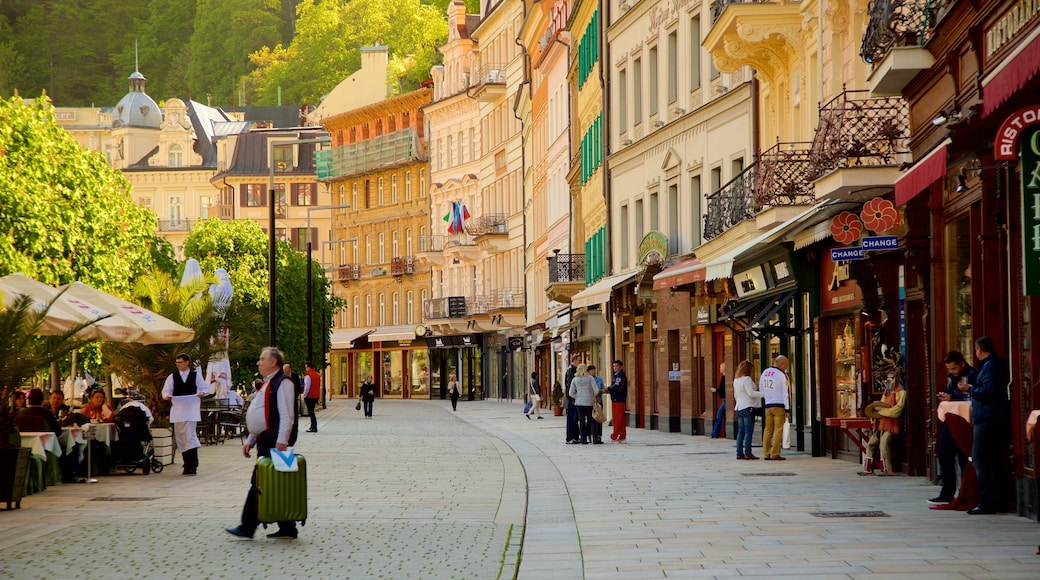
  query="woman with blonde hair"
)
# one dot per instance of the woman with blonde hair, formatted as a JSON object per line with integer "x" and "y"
{"x": 747, "y": 397}
{"x": 583, "y": 391}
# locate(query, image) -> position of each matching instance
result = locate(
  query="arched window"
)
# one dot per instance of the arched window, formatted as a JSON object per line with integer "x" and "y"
{"x": 410, "y": 306}
{"x": 393, "y": 188}
{"x": 379, "y": 189}
{"x": 394, "y": 240}
{"x": 357, "y": 312}
{"x": 368, "y": 310}
{"x": 353, "y": 198}
{"x": 396, "y": 314}
{"x": 382, "y": 309}
{"x": 408, "y": 186}
{"x": 408, "y": 242}
{"x": 368, "y": 250}
{"x": 382, "y": 248}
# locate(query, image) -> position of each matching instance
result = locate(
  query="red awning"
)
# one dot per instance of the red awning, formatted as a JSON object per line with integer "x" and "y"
{"x": 924, "y": 173}
{"x": 1012, "y": 78}
{"x": 686, "y": 272}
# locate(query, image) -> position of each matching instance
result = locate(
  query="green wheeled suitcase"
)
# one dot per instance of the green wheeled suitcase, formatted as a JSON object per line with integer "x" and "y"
{"x": 281, "y": 496}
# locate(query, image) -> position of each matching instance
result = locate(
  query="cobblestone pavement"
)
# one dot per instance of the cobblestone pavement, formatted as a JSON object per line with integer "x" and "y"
{"x": 421, "y": 492}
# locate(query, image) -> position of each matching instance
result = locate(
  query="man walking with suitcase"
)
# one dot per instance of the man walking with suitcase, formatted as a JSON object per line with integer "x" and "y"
{"x": 271, "y": 420}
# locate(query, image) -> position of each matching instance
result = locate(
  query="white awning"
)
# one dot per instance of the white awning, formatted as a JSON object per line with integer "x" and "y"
{"x": 722, "y": 267}
{"x": 599, "y": 292}
{"x": 342, "y": 339}
{"x": 396, "y": 332}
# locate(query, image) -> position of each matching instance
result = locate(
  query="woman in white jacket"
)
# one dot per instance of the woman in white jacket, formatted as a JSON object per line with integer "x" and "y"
{"x": 583, "y": 391}
{"x": 748, "y": 397}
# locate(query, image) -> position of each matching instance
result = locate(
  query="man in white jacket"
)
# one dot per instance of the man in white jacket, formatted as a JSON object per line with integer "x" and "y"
{"x": 775, "y": 390}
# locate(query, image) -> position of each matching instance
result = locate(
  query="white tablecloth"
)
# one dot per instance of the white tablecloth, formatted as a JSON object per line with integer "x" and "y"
{"x": 41, "y": 442}
{"x": 72, "y": 439}
{"x": 103, "y": 432}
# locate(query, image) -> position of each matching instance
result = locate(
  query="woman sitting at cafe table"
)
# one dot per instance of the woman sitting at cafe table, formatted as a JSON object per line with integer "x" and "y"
{"x": 98, "y": 410}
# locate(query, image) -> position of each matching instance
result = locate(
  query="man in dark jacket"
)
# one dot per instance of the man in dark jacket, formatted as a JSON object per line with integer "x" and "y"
{"x": 618, "y": 390}
{"x": 949, "y": 455}
{"x": 991, "y": 433}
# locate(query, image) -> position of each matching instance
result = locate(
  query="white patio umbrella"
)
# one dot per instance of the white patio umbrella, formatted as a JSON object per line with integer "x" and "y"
{"x": 61, "y": 316}
{"x": 128, "y": 321}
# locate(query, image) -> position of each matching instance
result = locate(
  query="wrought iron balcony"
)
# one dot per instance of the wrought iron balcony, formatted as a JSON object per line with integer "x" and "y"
{"x": 491, "y": 224}
{"x": 506, "y": 299}
{"x": 785, "y": 175}
{"x": 433, "y": 243}
{"x": 733, "y": 203}
{"x": 402, "y": 265}
{"x": 379, "y": 152}
{"x": 446, "y": 307}
{"x": 176, "y": 225}
{"x": 564, "y": 268}
{"x": 719, "y": 5}
{"x": 895, "y": 23}
{"x": 857, "y": 130}
{"x": 489, "y": 74}
{"x": 348, "y": 272}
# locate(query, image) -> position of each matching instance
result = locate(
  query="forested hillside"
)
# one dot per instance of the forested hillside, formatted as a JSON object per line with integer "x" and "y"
{"x": 229, "y": 52}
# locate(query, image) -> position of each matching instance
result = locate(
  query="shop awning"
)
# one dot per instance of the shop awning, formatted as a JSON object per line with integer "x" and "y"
{"x": 771, "y": 306}
{"x": 1018, "y": 68}
{"x": 930, "y": 168}
{"x": 599, "y": 292}
{"x": 685, "y": 272}
{"x": 342, "y": 339}
{"x": 396, "y": 332}
{"x": 722, "y": 267}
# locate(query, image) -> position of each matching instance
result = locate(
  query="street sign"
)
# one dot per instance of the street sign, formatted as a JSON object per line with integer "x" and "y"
{"x": 880, "y": 243}
{"x": 844, "y": 254}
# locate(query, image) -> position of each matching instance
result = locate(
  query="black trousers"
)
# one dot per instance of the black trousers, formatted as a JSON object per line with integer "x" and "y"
{"x": 989, "y": 452}
{"x": 949, "y": 456}
{"x": 311, "y": 403}
{"x": 250, "y": 511}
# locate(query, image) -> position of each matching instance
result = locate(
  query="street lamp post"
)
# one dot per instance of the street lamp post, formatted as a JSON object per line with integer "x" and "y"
{"x": 271, "y": 245}
{"x": 310, "y": 293}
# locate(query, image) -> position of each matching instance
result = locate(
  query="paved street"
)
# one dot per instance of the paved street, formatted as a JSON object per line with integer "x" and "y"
{"x": 421, "y": 492}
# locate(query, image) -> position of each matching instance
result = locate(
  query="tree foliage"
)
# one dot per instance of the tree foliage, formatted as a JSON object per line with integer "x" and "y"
{"x": 64, "y": 213}
{"x": 326, "y": 48}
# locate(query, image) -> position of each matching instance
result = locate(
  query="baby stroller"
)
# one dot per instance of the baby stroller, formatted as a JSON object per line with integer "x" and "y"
{"x": 133, "y": 450}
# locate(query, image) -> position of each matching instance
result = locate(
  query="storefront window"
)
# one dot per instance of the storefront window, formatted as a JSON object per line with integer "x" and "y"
{"x": 420, "y": 373}
{"x": 958, "y": 285}
{"x": 392, "y": 373}
{"x": 362, "y": 368}
{"x": 845, "y": 347}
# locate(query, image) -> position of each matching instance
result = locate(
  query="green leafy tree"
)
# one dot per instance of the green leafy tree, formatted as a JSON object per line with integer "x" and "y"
{"x": 226, "y": 32}
{"x": 326, "y": 48}
{"x": 66, "y": 215}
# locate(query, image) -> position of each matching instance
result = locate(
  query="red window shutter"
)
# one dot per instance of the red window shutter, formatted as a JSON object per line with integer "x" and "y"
{"x": 294, "y": 194}
{"x": 243, "y": 197}
{"x": 263, "y": 195}
{"x": 295, "y": 237}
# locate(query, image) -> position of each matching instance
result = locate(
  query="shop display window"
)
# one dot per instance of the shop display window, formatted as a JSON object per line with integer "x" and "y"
{"x": 846, "y": 380}
{"x": 958, "y": 285}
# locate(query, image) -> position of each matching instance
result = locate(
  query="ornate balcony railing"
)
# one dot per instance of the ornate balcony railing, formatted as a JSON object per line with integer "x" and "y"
{"x": 785, "y": 175}
{"x": 856, "y": 130}
{"x": 402, "y": 265}
{"x": 895, "y": 23}
{"x": 446, "y": 307}
{"x": 175, "y": 225}
{"x": 434, "y": 243}
{"x": 719, "y": 5}
{"x": 507, "y": 298}
{"x": 489, "y": 74}
{"x": 348, "y": 272}
{"x": 566, "y": 268}
{"x": 733, "y": 203}
{"x": 490, "y": 224}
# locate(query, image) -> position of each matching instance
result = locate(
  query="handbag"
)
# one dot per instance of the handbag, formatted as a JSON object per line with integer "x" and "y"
{"x": 284, "y": 461}
{"x": 527, "y": 407}
{"x": 358, "y": 406}
{"x": 597, "y": 412}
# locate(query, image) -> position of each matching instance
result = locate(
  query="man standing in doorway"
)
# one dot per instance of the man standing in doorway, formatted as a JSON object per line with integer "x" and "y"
{"x": 311, "y": 392}
{"x": 618, "y": 390}
{"x": 991, "y": 433}
{"x": 185, "y": 390}
{"x": 572, "y": 411}
{"x": 774, "y": 386}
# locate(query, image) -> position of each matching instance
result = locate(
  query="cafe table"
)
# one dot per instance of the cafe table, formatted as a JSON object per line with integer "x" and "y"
{"x": 46, "y": 453}
{"x": 956, "y": 415}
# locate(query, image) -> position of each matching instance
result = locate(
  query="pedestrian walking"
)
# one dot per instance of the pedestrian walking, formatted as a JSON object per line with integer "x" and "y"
{"x": 719, "y": 428}
{"x": 184, "y": 389}
{"x": 583, "y": 391}
{"x": 454, "y": 393}
{"x": 271, "y": 420}
{"x": 774, "y": 386}
{"x": 534, "y": 394}
{"x": 618, "y": 390}
{"x": 368, "y": 395}
{"x": 747, "y": 398}
{"x": 311, "y": 393}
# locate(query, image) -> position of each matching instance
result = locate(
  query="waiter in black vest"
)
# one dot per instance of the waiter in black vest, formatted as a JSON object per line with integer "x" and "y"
{"x": 186, "y": 413}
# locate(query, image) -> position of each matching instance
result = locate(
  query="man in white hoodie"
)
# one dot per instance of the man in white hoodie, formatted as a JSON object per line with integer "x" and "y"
{"x": 775, "y": 388}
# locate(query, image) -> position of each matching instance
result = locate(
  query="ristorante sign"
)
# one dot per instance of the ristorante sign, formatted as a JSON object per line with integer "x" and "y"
{"x": 1023, "y": 128}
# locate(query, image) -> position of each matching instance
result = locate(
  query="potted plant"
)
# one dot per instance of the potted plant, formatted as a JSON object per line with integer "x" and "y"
{"x": 22, "y": 354}
{"x": 556, "y": 399}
